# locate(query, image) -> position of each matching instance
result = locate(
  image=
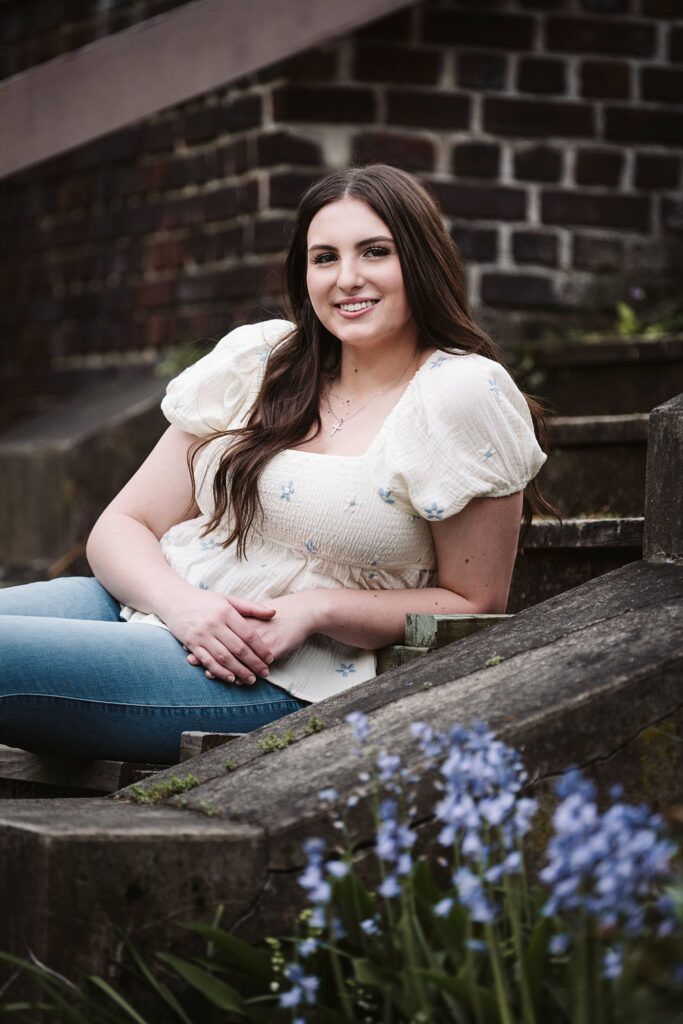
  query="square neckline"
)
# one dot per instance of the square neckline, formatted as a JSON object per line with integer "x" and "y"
{"x": 385, "y": 421}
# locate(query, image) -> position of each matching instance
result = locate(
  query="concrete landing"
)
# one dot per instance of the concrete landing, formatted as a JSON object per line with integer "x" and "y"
{"x": 591, "y": 677}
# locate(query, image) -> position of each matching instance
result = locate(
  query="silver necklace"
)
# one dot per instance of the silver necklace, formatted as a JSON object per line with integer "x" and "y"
{"x": 341, "y": 420}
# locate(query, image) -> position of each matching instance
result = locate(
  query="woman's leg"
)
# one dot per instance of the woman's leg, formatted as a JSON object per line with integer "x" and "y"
{"x": 92, "y": 689}
{"x": 71, "y": 597}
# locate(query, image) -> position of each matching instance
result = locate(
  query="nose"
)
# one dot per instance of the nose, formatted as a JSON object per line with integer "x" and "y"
{"x": 349, "y": 275}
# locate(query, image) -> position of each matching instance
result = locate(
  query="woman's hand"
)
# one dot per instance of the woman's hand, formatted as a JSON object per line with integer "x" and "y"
{"x": 296, "y": 618}
{"x": 221, "y": 633}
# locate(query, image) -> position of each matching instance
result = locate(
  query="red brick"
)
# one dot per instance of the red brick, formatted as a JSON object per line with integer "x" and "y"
{"x": 410, "y": 152}
{"x": 158, "y": 293}
{"x": 242, "y": 113}
{"x": 661, "y": 8}
{"x": 328, "y": 104}
{"x": 315, "y": 65}
{"x": 476, "y": 160}
{"x": 535, "y": 247}
{"x": 672, "y": 214}
{"x": 282, "y": 147}
{"x": 287, "y": 187}
{"x": 597, "y": 254}
{"x": 202, "y": 125}
{"x": 598, "y": 166}
{"x": 221, "y": 203}
{"x": 395, "y": 27}
{"x": 655, "y": 170}
{"x": 518, "y": 291}
{"x": 605, "y": 79}
{"x": 481, "y": 70}
{"x": 643, "y": 124}
{"x": 158, "y": 137}
{"x": 664, "y": 85}
{"x": 232, "y": 158}
{"x": 676, "y": 45}
{"x": 480, "y": 202}
{"x": 428, "y": 109}
{"x": 597, "y": 209}
{"x": 272, "y": 235}
{"x": 478, "y": 28}
{"x": 600, "y": 35}
{"x": 376, "y": 62}
{"x": 535, "y": 117}
{"x": 542, "y": 75}
{"x": 479, "y": 245}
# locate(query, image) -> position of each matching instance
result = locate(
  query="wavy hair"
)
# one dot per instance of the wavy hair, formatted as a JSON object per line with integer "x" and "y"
{"x": 287, "y": 406}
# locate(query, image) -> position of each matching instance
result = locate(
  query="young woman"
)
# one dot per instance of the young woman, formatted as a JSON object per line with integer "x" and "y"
{"x": 320, "y": 478}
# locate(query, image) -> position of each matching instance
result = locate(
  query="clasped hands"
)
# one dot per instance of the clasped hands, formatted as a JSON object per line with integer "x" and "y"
{"x": 234, "y": 639}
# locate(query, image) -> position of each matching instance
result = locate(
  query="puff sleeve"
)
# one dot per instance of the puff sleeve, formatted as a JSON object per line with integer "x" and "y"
{"x": 464, "y": 432}
{"x": 217, "y": 391}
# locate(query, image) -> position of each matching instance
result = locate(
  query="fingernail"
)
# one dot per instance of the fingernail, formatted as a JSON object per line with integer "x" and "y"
{"x": 268, "y": 659}
{"x": 265, "y": 672}
{"x": 251, "y": 679}
{"x": 231, "y": 679}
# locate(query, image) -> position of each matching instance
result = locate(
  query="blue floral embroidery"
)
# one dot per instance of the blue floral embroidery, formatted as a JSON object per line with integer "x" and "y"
{"x": 352, "y": 505}
{"x": 385, "y": 495}
{"x": 263, "y": 355}
{"x": 494, "y": 387}
{"x": 287, "y": 491}
{"x": 344, "y": 669}
{"x": 311, "y": 546}
{"x": 437, "y": 362}
{"x": 433, "y": 511}
{"x": 489, "y": 453}
{"x": 203, "y": 586}
{"x": 208, "y": 544}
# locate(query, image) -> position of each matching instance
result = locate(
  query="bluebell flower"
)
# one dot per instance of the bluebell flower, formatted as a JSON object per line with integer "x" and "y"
{"x": 308, "y": 946}
{"x": 604, "y": 864}
{"x": 612, "y": 962}
{"x": 328, "y": 795}
{"x": 559, "y": 944}
{"x": 390, "y": 887}
{"x": 471, "y": 894}
{"x": 360, "y": 723}
{"x": 444, "y": 906}
{"x": 304, "y": 987}
{"x": 370, "y": 926}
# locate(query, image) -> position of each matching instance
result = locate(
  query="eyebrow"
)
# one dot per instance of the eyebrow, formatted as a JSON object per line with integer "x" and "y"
{"x": 359, "y": 245}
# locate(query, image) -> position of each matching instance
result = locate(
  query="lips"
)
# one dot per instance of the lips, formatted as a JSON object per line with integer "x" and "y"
{"x": 356, "y": 305}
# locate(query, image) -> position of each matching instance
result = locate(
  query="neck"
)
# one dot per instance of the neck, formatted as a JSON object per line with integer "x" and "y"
{"x": 363, "y": 372}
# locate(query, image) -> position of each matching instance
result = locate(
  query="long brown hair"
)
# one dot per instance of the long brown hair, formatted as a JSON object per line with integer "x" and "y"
{"x": 287, "y": 405}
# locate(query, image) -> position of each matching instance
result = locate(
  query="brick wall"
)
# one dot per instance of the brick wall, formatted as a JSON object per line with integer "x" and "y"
{"x": 551, "y": 132}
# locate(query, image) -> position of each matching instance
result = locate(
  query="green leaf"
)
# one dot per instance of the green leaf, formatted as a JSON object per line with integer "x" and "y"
{"x": 157, "y": 985}
{"x": 462, "y": 990}
{"x": 240, "y": 955}
{"x": 118, "y": 999}
{"x": 212, "y": 988}
{"x": 627, "y": 321}
{"x": 537, "y": 956}
{"x": 368, "y": 973}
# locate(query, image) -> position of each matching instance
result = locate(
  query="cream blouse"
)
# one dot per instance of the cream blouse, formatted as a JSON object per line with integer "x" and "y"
{"x": 460, "y": 430}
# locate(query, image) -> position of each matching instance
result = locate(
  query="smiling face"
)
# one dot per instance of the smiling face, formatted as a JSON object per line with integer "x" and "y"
{"x": 354, "y": 277}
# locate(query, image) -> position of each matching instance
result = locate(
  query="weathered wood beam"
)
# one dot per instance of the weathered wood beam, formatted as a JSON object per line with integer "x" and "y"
{"x": 592, "y": 677}
{"x": 663, "y": 535}
{"x": 157, "y": 63}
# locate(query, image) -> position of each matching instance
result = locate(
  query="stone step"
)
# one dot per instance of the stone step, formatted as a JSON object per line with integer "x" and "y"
{"x": 596, "y": 464}
{"x": 61, "y": 468}
{"x": 611, "y": 376}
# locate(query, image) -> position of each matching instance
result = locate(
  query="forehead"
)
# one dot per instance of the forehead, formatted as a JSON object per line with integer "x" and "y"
{"x": 345, "y": 220}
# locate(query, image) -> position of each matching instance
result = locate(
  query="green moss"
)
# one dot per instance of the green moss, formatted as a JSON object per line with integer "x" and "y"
{"x": 230, "y": 765}
{"x": 272, "y": 742}
{"x": 494, "y": 660}
{"x": 159, "y": 791}
{"x": 314, "y": 724}
{"x": 209, "y": 809}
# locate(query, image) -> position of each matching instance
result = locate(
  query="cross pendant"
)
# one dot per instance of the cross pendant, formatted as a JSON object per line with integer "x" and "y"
{"x": 336, "y": 427}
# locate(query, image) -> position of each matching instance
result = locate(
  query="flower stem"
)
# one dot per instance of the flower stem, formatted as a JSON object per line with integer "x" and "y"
{"x": 512, "y": 902}
{"x": 498, "y": 976}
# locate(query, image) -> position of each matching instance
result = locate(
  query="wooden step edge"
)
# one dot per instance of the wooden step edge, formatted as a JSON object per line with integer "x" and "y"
{"x": 396, "y": 655}
{"x": 97, "y": 776}
{"x": 566, "y": 431}
{"x": 193, "y": 743}
{"x": 433, "y": 631}
{"x": 598, "y": 532}
{"x": 612, "y": 350}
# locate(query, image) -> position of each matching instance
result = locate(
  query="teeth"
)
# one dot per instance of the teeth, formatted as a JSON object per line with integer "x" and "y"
{"x": 352, "y": 307}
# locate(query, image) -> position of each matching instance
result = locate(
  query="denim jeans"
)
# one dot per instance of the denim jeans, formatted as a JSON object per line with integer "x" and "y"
{"x": 76, "y": 681}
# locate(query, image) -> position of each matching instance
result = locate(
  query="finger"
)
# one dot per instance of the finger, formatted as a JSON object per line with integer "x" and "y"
{"x": 252, "y": 644}
{"x": 232, "y": 655}
{"x": 193, "y": 659}
{"x": 212, "y": 668}
{"x": 254, "y": 608}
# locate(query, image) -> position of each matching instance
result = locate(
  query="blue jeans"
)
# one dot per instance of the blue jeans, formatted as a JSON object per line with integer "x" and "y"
{"x": 76, "y": 681}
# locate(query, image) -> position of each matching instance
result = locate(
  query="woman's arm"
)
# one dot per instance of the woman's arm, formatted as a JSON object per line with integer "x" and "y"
{"x": 475, "y": 552}
{"x": 125, "y": 556}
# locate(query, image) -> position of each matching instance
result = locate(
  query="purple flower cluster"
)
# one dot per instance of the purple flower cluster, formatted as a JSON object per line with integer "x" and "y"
{"x": 394, "y": 842}
{"x": 606, "y": 865}
{"x": 303, "y": 990}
